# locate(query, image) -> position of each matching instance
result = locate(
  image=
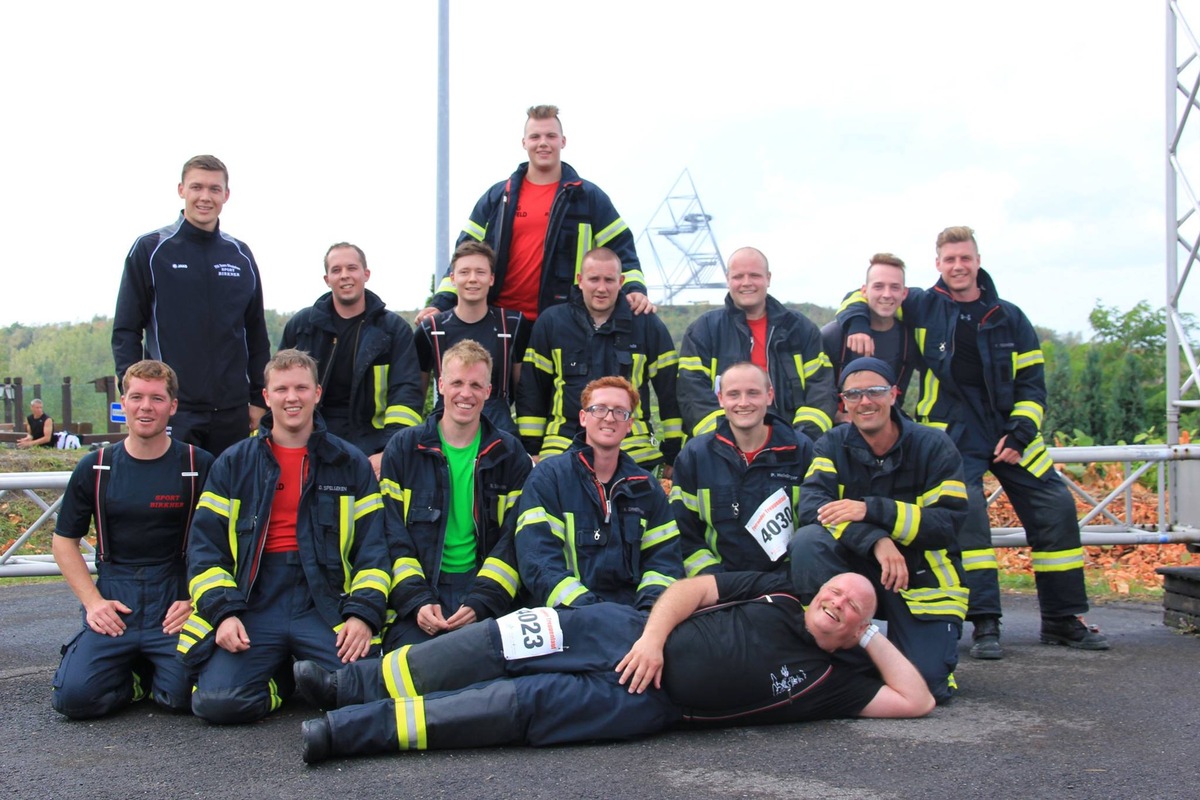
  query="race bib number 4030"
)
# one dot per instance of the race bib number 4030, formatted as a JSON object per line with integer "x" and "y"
{"x": 530, "y": 632}
{"x": 771, "y": 524}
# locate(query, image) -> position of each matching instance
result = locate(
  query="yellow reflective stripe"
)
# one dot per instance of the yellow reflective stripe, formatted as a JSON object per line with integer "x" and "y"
{"x": 670, "y": 358}
{"x": 1028, "y": 359}
{"x": 365, "y": 505}
{"x": 820, "y": 464}
{"x": 401, "y": 415}
{"x": 694, "y": 364}
{"x": 919, "y": 335}
{"x": 506, "y": 503}
{"x": 854, "y": 298}
{"x": 276, "y": 696}
{"x": 375, "y": 579}
{"x": 568, "y": 537}
{"x": 539, "y": 361}
{"x": 651, "y": 578}
{"x": 553, "y": 445}
{"x": 447, "y": 285}
{"x": 194, "y": 629}
{"x": 397, "y": 677}
{"x": 689, "y": 500}
{"x": 406, "y": 568}
{"x": 940, "y": 602}
{"x": 612, "y": 231}
{"x": 699, "y": 561}
{"x": 943, "y": 490}
{"x": 672, "y": 427}
{"x": 1037, "y": 458}
{"x": 346, "y": 536}
{"x": 656, "y": 536}
{"x": 582, "y": 244}
{"x": 634, "y": 275}
{"x": 390, "y": 488}
{"x": 1030, "y": 410}
{"x": 639, "y": 448}
{"x": 537, "y": 514}
{"x": 212, "y": 578}
{"x": 908, "y": 522}
{"x": 380, "y": 374}
{"x": 531, "y": 426}
{"x": 929, "y": 394}
{"x": 565, "y": 592}
{"x": 214, "y": 503}
{"x": 943, "y": 568}
{"x": 1057, "y": 560}
{"x": 709, "y": 423}
{"x": 474, "y": 230}
{"x": 811, "y": 367}
{"x": 979, "y": 559}
{"x": 807, "y": 415}
{"x": 505, "y": 575}
{"x": 410, "y": 723}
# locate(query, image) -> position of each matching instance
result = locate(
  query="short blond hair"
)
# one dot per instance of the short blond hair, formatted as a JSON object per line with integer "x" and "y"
{"x": 955, "y": 234}
{"x": 544, "y": 112}
{"x": 290, "y": 359}
{"x": 151, "y": 370}
{"x": 468, "y": 352}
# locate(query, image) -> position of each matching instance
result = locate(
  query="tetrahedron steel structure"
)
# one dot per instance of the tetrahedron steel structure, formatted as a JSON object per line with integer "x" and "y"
{"x": 679, "y": 237}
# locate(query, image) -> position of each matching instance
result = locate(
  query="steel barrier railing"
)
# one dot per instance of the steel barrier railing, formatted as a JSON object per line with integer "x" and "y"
{"x": 1114, "y": 531}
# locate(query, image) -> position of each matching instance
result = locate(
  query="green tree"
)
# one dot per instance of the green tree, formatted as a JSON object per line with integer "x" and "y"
{"x": 1127, "y": 407}
{"x": 1060, "y": 401}
{"x": 1092, "y": 414}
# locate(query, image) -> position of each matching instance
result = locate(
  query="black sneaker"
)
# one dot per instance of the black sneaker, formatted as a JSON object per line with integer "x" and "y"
{"x": 317, "y": 685}
{"x": 317, "y": 741}
{"x": 1072, "y": 632}
{"x": 987, "y": 639}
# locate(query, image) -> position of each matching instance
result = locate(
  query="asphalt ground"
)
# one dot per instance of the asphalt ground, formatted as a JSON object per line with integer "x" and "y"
{"x": 1044, "y": 722}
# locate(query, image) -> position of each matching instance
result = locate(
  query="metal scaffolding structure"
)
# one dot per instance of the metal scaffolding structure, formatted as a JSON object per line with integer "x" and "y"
{"x": 1182, "y": 216}
{"x": 681, "y": 240}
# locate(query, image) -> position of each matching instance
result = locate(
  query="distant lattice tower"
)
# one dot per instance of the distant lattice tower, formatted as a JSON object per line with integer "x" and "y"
{"x": 685, "y": 251}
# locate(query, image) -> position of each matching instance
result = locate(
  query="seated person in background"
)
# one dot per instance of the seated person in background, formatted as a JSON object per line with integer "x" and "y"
{"x": 39, "y": 428}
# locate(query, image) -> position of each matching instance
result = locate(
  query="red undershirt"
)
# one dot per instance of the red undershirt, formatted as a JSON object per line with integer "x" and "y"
{"x": 281, "y": 529}
{"x": 758, "y": 341}
{"x": 523, "y": 278}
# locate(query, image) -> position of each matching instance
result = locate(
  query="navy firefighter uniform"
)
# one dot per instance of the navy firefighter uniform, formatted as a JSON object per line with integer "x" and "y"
{"x": 291, "y": 603}
{"x": 580, "y": 541}
{"x": 914, "y": 495}
{"x": 715, "y": 493}
{"x": 417, "y": 493}
{"x": 142, "y": 509}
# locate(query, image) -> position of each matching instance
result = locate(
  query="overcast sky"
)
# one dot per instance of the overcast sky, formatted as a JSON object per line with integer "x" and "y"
{"x": 818, "y": 132}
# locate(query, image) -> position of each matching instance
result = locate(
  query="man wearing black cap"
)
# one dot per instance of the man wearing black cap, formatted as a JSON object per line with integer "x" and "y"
{"x": 885, "y": 497}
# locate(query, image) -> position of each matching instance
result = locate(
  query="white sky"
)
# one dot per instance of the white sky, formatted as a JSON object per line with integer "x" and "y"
{"x": 818, "y": 132}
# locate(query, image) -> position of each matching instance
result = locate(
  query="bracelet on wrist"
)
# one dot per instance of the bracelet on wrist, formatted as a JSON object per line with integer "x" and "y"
{"x": 868, "y": 635}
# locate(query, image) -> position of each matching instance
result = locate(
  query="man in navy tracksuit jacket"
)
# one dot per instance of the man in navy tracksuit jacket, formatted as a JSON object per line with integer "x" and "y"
{"x": 194, "y": 294}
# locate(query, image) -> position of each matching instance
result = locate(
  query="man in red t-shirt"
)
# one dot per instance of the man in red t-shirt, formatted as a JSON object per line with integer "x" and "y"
{"x": 541, "y": 222}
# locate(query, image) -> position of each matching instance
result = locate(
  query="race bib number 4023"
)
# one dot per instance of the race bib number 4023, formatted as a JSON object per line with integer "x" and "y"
{"x": 530, "y": 632}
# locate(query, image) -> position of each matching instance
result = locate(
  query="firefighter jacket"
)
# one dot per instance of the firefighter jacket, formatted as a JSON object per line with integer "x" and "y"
{"x": 580, "y": 543}
{"x": 416, "y": 497}
{"x": 716, "y": 493}
{"x": 581, "y": 218}
{"x": 339, "y": 531}
{"x": 385, "y": 394}
{"x": 566, "y": 353}
{"x": 914, "y": 494}
{"x": 905, "y": 363}
{"x": 801, "y": 373}
{"x": 1013, "y": 367}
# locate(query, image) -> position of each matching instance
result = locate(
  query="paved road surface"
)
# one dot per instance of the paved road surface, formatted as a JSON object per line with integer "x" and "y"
{"x": 1044, "y": 722}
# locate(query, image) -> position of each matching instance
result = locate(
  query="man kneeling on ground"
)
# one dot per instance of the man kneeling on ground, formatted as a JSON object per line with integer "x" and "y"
{"x": 548, "y": 676}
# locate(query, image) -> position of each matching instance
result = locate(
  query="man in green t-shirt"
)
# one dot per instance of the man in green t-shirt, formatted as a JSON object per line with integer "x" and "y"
{"x": 450, "y": 486}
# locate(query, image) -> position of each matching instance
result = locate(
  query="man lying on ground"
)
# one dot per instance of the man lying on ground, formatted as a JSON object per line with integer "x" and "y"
{"x": 752, "y": 655}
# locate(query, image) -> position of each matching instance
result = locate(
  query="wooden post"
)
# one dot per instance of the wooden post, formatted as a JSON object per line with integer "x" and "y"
{"x": 66, "y": 405}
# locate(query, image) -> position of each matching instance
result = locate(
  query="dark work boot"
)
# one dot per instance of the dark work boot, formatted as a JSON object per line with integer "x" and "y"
{"x": 317, "y": 741}
{"x": 1072, "y": 632}
{"x": 987, "y": 639}
{"x": 317, "y": 685}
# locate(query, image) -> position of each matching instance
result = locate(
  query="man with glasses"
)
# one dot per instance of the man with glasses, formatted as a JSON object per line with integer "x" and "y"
{"x": 593, "y": 526}
{"x": 885, "y": 498}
